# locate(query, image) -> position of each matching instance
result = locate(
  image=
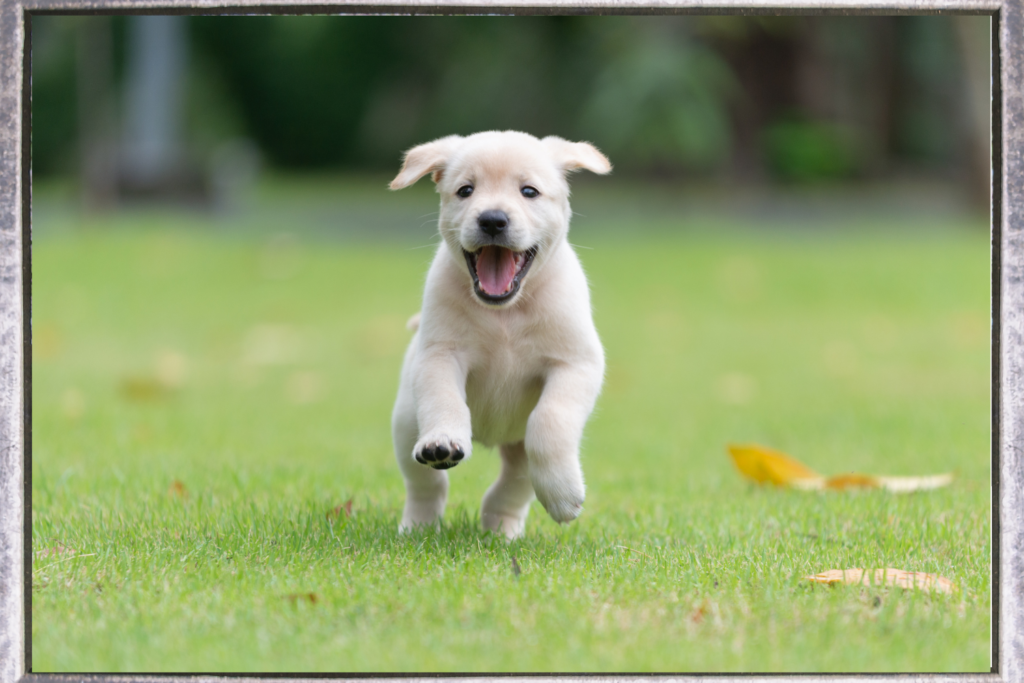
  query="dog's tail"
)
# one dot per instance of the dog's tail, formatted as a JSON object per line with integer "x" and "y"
{"x": 413, "y": 322}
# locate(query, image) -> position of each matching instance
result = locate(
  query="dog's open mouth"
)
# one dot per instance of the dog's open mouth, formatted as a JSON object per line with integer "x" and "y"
{"x": 497, "y": 271}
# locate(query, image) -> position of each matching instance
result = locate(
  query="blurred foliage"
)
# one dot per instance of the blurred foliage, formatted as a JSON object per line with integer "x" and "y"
{"x": 806, "y": 150}
{"x": 930, "y": 79}
{"x": 326, "y": 90}
{"x": 791, "y": 98}
{"x": 661, "y": 98}
{"x": 54, "y": 100}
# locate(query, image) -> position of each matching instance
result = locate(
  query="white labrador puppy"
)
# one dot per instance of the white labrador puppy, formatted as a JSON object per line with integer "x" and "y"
{"x": 506, "y": 352}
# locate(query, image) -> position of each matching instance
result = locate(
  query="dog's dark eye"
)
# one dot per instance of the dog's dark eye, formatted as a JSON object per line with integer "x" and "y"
{"x": 530, "y": 192}
{"x": 464, "y": 191}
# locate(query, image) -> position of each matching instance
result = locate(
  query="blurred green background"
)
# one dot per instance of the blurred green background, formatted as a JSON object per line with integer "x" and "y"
{"x": 193, "y": 107}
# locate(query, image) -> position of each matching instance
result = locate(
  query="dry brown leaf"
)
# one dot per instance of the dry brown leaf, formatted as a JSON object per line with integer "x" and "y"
{"x": 699, "y": 612}
{"x": 143, "y": 389}
{"x": 294, "y": 598}
{"x": 763, "y": 464}
{"x": 177, "y": 489}
{"x": 345, "y": 508}
{"x": 885, "y": 577}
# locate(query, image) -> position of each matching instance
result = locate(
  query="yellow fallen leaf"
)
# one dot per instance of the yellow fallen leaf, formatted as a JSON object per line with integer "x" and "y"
{"x": 894, "y": 484}
{"x": 908, "y": 484}
{"x": 815, "y": 484}
{"x": 764, "y": 464}
{"x": 849, "y": 481}
{"x": 886, "y": 577}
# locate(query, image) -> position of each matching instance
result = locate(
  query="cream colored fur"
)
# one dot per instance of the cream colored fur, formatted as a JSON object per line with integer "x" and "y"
{"x": 522, "y": 376}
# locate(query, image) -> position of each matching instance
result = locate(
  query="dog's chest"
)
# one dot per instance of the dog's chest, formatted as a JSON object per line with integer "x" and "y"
{"x": 503, "y": 386}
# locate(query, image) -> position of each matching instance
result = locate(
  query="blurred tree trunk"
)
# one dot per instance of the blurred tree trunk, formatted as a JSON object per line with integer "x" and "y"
{"x": 96, "y": 124}
{"x": 152, "y": 155}
{"x": 764, "y": 56}
{"x": 973, "y": 38}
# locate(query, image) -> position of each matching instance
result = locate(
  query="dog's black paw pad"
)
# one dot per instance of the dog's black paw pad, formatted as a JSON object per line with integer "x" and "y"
{"x": 440, "y": 453}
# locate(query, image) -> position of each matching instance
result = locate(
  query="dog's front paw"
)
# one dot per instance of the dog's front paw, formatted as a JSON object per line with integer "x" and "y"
{"x": 440, "y": 452}
{"x": 562, "y": 496}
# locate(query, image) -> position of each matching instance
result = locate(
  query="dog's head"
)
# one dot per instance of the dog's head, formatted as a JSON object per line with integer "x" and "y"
{"x": 504, "y": 201}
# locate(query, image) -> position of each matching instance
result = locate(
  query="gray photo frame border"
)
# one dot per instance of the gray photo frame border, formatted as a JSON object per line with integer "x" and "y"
{"x": 1007, "y": 268}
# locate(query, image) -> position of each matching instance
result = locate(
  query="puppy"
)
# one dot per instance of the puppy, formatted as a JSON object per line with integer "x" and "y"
{"x": 506, "y": 353}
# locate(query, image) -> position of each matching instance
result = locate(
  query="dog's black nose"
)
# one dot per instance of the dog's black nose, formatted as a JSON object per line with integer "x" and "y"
{"x": 493, "y": 222}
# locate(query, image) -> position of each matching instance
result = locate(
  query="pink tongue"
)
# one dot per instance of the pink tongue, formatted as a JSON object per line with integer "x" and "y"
{"x": 495, "y": 268}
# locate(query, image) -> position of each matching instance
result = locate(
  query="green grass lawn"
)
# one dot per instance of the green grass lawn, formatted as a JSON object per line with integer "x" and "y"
{"x": 204, "y": 402}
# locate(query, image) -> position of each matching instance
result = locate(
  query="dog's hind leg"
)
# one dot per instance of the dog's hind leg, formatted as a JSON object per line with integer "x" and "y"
{"x": 507, "y": 502}
{"x": 426, "y": 489}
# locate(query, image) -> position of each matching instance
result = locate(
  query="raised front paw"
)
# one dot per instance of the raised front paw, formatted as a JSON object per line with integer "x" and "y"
{"x": 561, "y": 493}
{"x": 440, "y": 452}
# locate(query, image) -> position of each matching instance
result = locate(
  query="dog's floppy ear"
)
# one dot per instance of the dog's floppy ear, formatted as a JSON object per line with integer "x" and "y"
{"x": 430, "y": 157}
{"x": 575, "y": 155}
